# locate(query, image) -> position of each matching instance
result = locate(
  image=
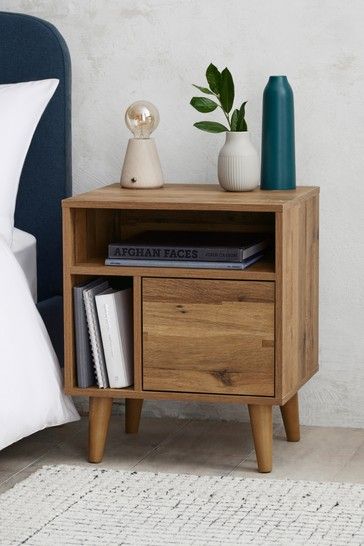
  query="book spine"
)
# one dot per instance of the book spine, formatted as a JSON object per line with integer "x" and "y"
{"x": 187, "y": 265}
{"x": 113, "y": 357}
{"x": 95, "y": 339}
{"x": 91, "y": 330}
{"x": 85, "y": 374}
{"x": 124, "y": 314}
{"x": 186, "y": 253}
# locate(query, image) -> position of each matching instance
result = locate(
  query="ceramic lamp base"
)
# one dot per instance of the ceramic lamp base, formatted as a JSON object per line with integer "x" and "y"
{"x": 142, "y": 168}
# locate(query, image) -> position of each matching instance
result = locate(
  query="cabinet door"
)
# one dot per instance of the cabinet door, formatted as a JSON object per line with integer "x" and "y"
{"x": 208, "y": 336}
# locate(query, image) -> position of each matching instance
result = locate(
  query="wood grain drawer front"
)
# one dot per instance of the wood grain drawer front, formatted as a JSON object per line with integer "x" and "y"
{"x": 208, "y": 336}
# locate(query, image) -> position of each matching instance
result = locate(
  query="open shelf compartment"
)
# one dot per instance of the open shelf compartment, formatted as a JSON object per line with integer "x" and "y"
{"x": 96, "y": 228}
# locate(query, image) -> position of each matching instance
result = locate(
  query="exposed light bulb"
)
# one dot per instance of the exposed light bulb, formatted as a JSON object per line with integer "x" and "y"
{"x": 142, "y": 118}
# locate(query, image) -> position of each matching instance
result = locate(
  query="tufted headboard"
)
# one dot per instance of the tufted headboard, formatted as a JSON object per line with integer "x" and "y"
{"x": 32, "y": 49}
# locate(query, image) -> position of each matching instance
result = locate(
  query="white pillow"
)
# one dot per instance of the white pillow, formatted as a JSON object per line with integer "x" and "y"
{"x": 31, "y": 395}
{"x": 21, "y": 107}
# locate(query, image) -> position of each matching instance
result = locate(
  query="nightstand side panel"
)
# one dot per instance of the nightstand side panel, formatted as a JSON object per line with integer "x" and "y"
{"x": 297, "y": 247}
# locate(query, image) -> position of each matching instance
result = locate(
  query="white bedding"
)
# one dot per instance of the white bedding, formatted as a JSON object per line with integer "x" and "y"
{"x": 31, "y": 395}
{"x": 24, "y": 247}
{"x": 21, "y": 107}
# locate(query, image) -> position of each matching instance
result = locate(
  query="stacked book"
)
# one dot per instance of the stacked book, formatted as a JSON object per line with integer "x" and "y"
{"x": 104, "y": 340}
{"x": 188, "y": 249}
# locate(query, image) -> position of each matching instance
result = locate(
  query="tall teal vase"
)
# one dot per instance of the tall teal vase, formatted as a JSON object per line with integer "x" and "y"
{"x": 278, "y": 169}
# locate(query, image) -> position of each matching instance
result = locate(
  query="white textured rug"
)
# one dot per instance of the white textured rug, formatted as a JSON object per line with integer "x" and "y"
{"x": 64, "y": 505}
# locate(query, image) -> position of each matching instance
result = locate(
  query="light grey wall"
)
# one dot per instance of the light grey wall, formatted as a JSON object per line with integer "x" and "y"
{"x": 124, "y": 50}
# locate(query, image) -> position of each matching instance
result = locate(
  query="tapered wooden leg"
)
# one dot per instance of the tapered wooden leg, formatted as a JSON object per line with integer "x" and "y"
{"x": 99, "y": 418}
{"x": 133, "y": 410}
{"x": 291, "y": 419}
{"x": 262, "y": 428}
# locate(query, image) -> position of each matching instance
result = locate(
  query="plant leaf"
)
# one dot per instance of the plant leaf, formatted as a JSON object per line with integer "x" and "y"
{"x": 203, "y": 89}
{"x": 227, "y": 90}
{"x": 242, "y": 126}
{"x": 210, "y": 126}
{"x": 242, "y": 109}
{"x": 241, "y": 123}
{"x": 202, "y": 104}
{"x": 234, "y": 120}
{"x": 213, "y": 77}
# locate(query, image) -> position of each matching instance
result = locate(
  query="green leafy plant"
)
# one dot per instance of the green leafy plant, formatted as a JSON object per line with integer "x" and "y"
{"x": 221, "y": 87}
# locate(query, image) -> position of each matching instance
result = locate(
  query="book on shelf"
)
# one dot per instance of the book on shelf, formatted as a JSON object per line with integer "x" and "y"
{"x": 84, "y": 362}
{"x": 114, "y": 309}
{"x": 189, "y": 265}
{"x": 94, "y": 332}
{"x": 189, "y": 246}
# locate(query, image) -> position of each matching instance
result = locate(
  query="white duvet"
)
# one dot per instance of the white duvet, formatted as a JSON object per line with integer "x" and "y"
{"x": 31, "y": 396}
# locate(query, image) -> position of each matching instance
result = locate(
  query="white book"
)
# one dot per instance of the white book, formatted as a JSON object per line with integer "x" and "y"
{"x": 116, "y": 325}
{"x": 95, "y": 334}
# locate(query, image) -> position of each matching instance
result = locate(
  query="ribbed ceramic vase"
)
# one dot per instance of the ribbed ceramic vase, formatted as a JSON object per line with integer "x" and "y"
{"x": 238, "y": 163}
{"x": 278, "y": 171}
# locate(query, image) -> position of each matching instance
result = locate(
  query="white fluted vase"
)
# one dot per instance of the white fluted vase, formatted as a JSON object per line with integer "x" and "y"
{"x": 238, "y": 164}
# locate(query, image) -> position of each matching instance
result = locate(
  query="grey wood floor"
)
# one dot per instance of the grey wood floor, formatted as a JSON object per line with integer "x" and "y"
{"x": 192, "y": 446}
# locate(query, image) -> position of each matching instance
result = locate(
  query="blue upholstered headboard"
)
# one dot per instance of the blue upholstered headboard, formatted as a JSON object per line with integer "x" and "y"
{"x": 32, "y": 49}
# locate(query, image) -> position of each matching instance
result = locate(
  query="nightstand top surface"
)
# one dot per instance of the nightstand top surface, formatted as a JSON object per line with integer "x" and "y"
{"x": 190, "y": 197}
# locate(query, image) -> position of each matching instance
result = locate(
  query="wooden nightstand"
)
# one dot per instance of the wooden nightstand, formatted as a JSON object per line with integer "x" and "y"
{"x": 224, "y": 336}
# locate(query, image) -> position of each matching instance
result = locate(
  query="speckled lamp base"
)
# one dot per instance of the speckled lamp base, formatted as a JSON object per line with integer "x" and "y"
{"x": 142, "y": 168}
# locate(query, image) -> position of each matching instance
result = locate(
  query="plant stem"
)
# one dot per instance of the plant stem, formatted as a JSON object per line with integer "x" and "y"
{"x": 227, "y": 117}
{"x": 225, "y": 114}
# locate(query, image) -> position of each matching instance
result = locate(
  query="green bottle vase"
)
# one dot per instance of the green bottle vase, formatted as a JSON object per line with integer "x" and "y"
{"x": 278, "y": 169}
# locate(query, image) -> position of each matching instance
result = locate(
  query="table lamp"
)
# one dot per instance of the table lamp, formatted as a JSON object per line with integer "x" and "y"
{"x": 141, "y": 168}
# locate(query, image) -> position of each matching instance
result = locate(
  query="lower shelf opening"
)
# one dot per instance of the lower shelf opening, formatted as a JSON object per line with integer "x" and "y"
{"x": 103, "y": 332}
